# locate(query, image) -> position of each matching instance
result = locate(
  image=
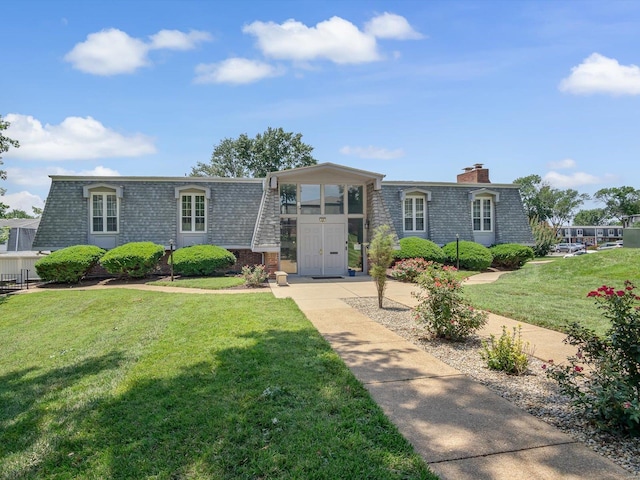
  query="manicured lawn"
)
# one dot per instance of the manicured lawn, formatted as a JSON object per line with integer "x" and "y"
{"x": 553, "y": 294}
{"x": 134, "y": 384}
{"x": 208, "y": 283}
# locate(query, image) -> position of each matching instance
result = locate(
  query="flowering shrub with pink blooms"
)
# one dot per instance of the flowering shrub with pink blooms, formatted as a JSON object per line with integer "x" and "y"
{"x": 408, "y": 270}
{"x": 442, "y": 307}
{"x": 603, "y": 378}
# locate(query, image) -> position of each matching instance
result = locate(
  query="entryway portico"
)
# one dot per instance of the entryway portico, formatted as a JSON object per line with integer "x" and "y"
{"x": 323, "y": 216}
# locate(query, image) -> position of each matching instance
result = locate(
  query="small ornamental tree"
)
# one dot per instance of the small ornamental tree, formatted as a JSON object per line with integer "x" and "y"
{"x": 380, "y": 258}
{"x": 603, "y": 378}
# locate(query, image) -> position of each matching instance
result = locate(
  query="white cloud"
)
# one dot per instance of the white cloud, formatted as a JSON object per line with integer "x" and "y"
{"x": 336, "y": 39}
{"x": 177, "y": 40}
{"x": 76, "y": 138}
{"x": 599, "y": 74}
{"x": 390, "y": 25}
{"x": 22, "y": 201}
{"x": 566, "y": 163}
{"x": 36, "y": 178}
{"x": 371, "y": 152}
{"x": 235, "y": 70}
{"x": 573, "y": 180}
{"x": 113, "y": 52}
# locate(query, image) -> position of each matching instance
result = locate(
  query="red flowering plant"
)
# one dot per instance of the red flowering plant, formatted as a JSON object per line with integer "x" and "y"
{"x": 603, "y": 378}
{"x": 442, "y": 307}
{"x": 407, "y": 270}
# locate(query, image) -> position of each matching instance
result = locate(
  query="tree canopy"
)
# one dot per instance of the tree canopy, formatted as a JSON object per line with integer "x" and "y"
{"x": 5, "y": 144}
{"x": 619, "y": 201}
{"x": 595, "y": 216}
{"x": 545, "y": 203}
{"x": 271, "y": 151}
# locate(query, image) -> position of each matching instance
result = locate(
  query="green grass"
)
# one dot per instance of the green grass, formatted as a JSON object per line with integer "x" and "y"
{"x": 208, "y": 283}
{"x": 135, "y": 384}
{"x": 554, "y": 294}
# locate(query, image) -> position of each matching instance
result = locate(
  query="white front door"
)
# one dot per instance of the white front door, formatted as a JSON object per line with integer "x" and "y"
{"x": 322, "y": 249}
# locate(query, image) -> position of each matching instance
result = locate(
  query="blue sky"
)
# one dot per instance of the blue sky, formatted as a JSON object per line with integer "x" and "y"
{"x": 416, "y": 90}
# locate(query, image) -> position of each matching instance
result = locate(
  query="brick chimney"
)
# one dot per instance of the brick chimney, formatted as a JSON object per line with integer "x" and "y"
{"x": 475, "y": 174}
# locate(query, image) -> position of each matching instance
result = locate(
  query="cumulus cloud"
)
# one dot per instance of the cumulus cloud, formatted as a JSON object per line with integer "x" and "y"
{"x": 76, "y": 138}
{"x": 336, "y": 39}
{"x": 573, "y": 180}
{"x": 372, "y": 153}
{"x": 113, "y": 52}
{"x": 22, "y": 201}
{"x": 390, "y": 25}
{"x": 235, "y": 70}
{"x": 177, "y": 40}
{"x": 566, "y": 163}
{"x": 599, "y": 74}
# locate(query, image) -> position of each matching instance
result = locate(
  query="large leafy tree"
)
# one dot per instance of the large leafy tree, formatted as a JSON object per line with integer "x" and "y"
{"x": 5, "y": 144}
{"x": 534, "y": 192}
{"x": 544, "y": 203}
{"x": 595, "y": 216}
{"x": 619, "y": 201}
{"x": 271, "y": 151}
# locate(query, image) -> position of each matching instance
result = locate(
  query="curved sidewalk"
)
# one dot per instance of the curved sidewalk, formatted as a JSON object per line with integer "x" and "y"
{"x": 461, "y": 428}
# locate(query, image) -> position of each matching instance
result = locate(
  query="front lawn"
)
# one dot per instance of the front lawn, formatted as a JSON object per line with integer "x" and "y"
{"x": 554, "y": 294}
{"x": 208, "y": 283}
{"x": 133, "y": 384}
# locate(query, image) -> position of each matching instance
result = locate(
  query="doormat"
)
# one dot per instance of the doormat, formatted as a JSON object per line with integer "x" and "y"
{"x": 329, "y": 277}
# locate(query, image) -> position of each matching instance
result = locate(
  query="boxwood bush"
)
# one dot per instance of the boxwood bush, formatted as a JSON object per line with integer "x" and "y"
{"x": 472, "y": 255}
{"x": 68, "y": 265}
{"x": 202, "y": 260}
{"x": 415, "y": 247}
{"x": 511, "y": 255}
{"x": 135, "y": 259}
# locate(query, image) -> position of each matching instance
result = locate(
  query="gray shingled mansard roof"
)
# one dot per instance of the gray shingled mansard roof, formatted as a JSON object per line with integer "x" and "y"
{"x": 244, "y": 213}
{"x": 148, "y": 210}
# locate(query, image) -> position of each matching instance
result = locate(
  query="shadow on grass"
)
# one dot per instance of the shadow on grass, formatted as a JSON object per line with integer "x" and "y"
{"x": 282, "y": 406}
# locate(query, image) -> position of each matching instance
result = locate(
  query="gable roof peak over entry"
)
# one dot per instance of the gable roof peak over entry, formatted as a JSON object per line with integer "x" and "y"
{"x": 324, "y": 173}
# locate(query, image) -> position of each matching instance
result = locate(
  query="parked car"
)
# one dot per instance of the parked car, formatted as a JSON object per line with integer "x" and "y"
{"x": 569, "y": 247}
{"x": 608, "y": 245}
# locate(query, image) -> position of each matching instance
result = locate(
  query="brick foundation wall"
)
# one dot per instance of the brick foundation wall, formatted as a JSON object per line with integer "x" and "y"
{"x": 271, "y": 262}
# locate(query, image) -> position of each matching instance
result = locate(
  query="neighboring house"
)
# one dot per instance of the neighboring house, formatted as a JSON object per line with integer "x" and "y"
{"x": 314, "y": 220}
{"x": 22, "y": 232}
{"x": 591, "y": 234}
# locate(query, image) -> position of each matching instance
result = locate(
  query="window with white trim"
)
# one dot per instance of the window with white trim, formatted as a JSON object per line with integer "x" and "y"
{"x": 579, "y": 232}
{"x": 610, "y": 232}
{"x": 413, "y": 213}
{"x": 193, "y": 209}
{"x": 482, "y": 214}
{"x": 104, "y": 212}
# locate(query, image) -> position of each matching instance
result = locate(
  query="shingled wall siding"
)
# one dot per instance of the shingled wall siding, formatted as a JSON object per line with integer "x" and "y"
{"x": 268, "y": 232}
{"x": 65, "y": 217}
{"x": 449, "y": 213}
{"x": 149, "y": 212}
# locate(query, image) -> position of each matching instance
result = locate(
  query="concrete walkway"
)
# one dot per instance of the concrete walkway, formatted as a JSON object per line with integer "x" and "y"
{"x": 461, "y": 428}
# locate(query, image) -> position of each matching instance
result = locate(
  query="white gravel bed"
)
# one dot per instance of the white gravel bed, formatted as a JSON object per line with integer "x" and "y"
{"x": 533, "y": 391}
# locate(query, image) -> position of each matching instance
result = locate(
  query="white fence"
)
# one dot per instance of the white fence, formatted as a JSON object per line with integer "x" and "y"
{"x": 13, "y": 264}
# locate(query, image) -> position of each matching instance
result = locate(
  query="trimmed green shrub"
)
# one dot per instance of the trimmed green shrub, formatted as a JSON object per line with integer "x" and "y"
{"x": 511, "y": 255}
{"x": 472, "y": 255}
{"x": 202, "y": 260}
{"x": 135, "y": 259}
{"x": 68, "y": 265}
{"x": 416, "y": 247}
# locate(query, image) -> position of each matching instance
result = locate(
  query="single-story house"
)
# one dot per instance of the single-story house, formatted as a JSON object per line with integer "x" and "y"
{"x": 22, "y": 232}
{"x": 314, "y": 220}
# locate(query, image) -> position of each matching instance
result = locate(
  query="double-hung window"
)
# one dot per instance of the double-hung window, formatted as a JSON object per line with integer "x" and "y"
{"x": 104, "y": 212}
{"x": 192, "y": 212}
{"x": 413, "y": 213}
{"x": 482, "y": 215}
